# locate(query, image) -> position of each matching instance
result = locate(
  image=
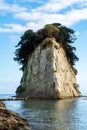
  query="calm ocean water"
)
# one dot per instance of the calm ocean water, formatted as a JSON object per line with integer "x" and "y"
{"x": 67, "y": 114}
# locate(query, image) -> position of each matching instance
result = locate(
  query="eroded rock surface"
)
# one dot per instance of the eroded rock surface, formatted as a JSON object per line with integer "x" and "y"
{"x": 48, "y": 73}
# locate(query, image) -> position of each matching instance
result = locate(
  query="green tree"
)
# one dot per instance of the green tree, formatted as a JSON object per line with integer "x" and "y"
{"x": 25, "y": 47}
{"x": 51, "y": 30}
{"x": 30, "y": 40}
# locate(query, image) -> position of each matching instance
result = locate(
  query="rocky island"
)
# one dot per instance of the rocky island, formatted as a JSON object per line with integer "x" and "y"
{"x": 48, "y": 63}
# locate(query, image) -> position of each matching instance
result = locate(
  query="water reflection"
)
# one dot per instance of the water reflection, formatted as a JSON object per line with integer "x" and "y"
{"x": 51, "y": 115}
{"x": 68, "y": 114}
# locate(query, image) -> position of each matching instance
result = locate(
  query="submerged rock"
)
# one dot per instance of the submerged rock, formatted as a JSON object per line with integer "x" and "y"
{"x": 10, "y": 120}
{"x": 48, "y": 73}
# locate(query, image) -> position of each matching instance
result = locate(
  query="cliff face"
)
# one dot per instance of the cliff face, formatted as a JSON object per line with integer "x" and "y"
{"x": 48, "y": 74}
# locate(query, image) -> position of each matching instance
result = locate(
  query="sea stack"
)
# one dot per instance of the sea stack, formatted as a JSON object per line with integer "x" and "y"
{"x": 48, "y": 73}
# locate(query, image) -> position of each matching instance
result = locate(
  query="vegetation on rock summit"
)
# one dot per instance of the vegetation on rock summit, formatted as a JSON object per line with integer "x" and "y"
{"x": 30, "y": 40}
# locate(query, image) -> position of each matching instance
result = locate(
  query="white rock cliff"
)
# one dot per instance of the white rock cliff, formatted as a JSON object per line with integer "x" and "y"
{"x": 48, "y": 74}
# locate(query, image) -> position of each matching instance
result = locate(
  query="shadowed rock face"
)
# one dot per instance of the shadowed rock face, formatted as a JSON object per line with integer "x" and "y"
{"x": 10, "y": 120}
{"x": 48, "y": 73}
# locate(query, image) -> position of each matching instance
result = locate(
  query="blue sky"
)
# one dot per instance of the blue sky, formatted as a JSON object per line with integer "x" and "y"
{"x": 17, "y": 16}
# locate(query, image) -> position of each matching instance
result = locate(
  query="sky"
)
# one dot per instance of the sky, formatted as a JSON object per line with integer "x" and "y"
{"x": 17, "y": 16}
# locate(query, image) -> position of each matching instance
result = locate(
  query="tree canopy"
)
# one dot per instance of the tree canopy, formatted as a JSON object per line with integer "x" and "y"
{"x": 30, "y": 40}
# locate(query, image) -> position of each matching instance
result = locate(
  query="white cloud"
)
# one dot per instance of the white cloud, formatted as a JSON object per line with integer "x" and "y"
{"x": 76, "y": 15}
{"x": 29, "y": 16}
{"x": 10, "y": 7}
{"x": 40, "y": 19}
{"x": 30, "y": 1}
{"x": 68, "y": 19}
{"x": 57, "y": 5}
{"x": 13, "y": 28}
{"x": 49, "y": 12}
{"x": 36, "y": 1}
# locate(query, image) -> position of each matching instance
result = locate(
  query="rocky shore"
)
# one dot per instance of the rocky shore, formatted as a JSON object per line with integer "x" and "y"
{"x": 10, "y": 120}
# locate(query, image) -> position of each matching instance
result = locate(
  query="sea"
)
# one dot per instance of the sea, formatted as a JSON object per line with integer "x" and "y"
{"x": 65, "y": 114}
